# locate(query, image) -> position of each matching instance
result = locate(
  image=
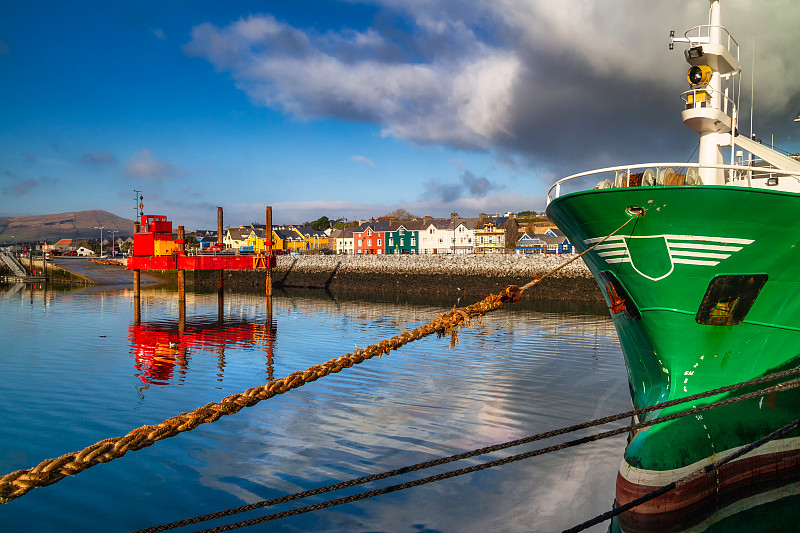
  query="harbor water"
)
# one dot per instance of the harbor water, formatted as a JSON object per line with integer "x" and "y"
{"x": 76, "y": 368}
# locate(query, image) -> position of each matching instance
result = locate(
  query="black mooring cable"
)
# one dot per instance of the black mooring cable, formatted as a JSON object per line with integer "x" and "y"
{"x": 480, "y": 451}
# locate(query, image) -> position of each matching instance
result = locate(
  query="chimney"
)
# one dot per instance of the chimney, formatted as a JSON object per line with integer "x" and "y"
{"x": 453, "y": 217}
{"x": 426, "y": 220}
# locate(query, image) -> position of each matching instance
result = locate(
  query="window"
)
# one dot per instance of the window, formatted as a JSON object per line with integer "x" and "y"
{"x": 391, "y": 241}
{"x": 379, "y": 242}
{"x": 402, "y": 231}
{"x": 728, "y": 299}
{"x": 369, "y": 242}
{"x": 413, "y": 241}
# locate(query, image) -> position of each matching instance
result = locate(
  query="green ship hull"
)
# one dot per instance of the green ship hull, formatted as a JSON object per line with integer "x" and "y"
{"x": 704, "y": 292}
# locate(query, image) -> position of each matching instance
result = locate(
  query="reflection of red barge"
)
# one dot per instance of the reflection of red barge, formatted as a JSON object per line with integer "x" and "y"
{"x": 158, "y": 349}
{"x": 155, "y": 249}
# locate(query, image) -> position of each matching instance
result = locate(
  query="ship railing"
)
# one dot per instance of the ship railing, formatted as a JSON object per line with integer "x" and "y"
{"x": 700, "y": 35}
{"x": 709, "y": 98}
{"x": 665, "y": 174}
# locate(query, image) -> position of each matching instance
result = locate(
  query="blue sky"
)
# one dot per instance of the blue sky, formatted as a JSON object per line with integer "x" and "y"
{"x": 352, "y": 108}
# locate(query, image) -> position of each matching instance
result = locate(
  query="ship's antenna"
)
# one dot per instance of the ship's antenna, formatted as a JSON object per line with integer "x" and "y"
{"x": 752, "y": 85}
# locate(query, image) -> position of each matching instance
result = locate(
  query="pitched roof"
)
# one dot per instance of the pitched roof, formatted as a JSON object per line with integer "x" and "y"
{"x": 309, "y": 232}
{"x": 469, "y": 223}
{"x": 438, "y": 223}
{"x": 286, "y": 235}
{"x": 550, "y": 239}
{"x": 375, "y": 226}
{"x": 239, "y": 234}
{"x": 410, "y": 225}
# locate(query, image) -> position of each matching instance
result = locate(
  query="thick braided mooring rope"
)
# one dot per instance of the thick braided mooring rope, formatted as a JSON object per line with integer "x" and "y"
{"x": 20, "y": 482}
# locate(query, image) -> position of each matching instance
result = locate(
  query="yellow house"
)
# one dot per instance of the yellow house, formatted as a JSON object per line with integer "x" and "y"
{"x": 286, "y": 239}
{"x": 312, "y": 239}
{"x": 250, "y": 239}
{"x": 489, "y": 239}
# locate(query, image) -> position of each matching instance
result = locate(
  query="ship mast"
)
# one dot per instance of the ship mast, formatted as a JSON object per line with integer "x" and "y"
{"x": 710, "y": 109}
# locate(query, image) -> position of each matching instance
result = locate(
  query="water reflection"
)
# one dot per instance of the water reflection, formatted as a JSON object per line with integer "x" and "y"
{"x": 162, "y": 348}
{"x": 771, "y": 506}
{"x": 517, "y": 372}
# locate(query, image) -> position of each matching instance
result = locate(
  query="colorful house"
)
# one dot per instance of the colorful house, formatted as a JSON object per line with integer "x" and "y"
{"x": 433, "y": 236}
{"x": 312, "y": 239}
{"x": 205, "y": 238}
{"x": 403, "y": 237}
{"x": 531, "y": 244}
{"x": 285, "y": 238}
{"x": 343, "y": 242}
{"x": 489, "y": 238}
{"x": 370, "y": 238}
{"x": 65, "y": 245}
{"x": 463, "y": 235}
{"x": 208, "y": 240}
{"x": 454, "y": 235}
{"x": 557, "y": 242}
{"x": 244, "y": 238}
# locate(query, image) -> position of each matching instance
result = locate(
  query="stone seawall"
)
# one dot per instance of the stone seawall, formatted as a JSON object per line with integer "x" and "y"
{"x": 467, "y": 275}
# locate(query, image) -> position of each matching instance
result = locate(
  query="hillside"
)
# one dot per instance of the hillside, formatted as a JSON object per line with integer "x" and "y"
{"x": 74, "y": 225}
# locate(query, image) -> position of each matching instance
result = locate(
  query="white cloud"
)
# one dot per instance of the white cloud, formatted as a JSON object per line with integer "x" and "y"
{"x": 459, "y": 97}
{"x": 530, "y": 77}
{"x": 363, "y": 160}
{"x": 142, "y": 165}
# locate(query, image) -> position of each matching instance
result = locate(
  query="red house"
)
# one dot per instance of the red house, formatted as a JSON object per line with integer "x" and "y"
{"x": 370, "y": 238}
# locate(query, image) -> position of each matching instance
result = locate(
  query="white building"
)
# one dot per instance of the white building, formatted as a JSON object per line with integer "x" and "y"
{"x": 84, "y": 252}
{"x": 447, "y": 236}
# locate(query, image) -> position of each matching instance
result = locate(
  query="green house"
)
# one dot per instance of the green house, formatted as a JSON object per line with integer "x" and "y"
{"x": 402, "y": 237}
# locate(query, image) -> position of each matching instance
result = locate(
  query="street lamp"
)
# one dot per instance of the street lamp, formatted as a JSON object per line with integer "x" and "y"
{"x": 101, "y": 239}
{"x": 113, "y": 244}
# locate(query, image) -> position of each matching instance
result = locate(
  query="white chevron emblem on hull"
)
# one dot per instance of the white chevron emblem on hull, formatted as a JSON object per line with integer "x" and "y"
{"x": 682, "y": 249}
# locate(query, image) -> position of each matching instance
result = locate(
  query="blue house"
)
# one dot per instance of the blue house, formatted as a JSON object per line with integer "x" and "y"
{"x": 530, "y": 244}
{"x": 552, "y": 241}
{"x": 557, "y": 243}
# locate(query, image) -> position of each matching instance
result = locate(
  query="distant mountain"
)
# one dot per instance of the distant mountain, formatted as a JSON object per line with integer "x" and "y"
{"x": 75, "y": 225}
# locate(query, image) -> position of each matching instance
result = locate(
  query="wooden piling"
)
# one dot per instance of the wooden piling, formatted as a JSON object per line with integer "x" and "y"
{"x": 268, "y": 249}
{"x": 137, "y": 301}
{"x": 221, "y": 275}
{"x": 181, "y": 273}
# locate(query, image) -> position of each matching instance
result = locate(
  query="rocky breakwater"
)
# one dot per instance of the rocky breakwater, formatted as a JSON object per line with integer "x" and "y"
{"x": 450, "y": 274}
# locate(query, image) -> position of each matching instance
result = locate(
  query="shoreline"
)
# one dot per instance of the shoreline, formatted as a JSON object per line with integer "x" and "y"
{"x": 471, "y": 276}
{"x": 457, "y": 275}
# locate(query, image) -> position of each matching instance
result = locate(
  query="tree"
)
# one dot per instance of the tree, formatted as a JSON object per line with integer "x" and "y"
{"x": 321, "y": 224}
{"x": 402, "y": 214}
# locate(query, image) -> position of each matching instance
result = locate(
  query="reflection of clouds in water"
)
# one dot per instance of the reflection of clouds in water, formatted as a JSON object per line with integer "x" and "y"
{"x": 516, "y": 374}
